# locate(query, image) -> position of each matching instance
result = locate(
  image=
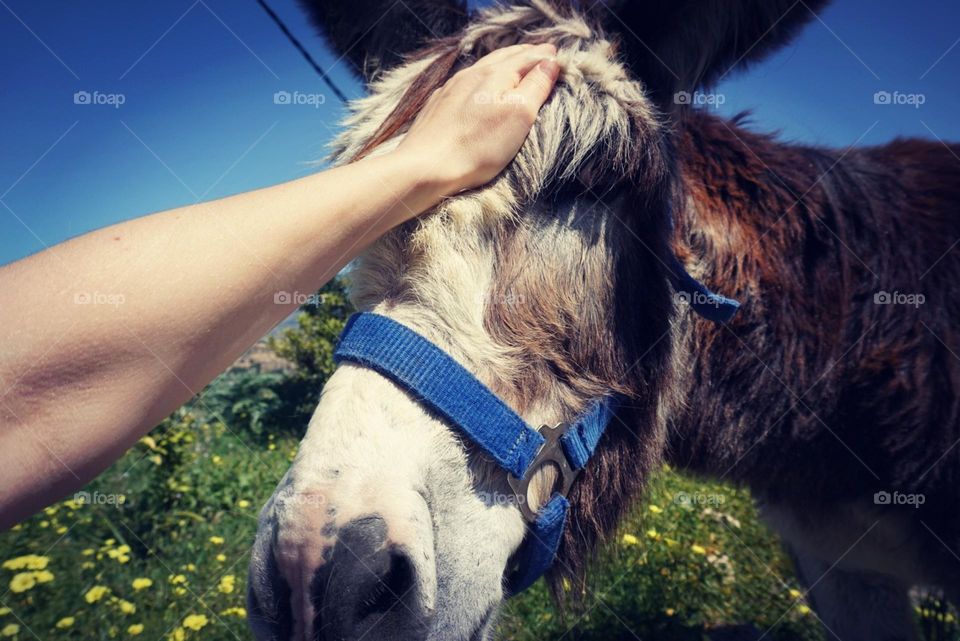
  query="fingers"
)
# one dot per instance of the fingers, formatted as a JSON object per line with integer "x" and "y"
{"x": 536, "y": 85}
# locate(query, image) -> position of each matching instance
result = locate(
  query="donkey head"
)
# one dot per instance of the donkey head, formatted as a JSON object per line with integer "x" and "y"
{"x": 551, "y": 285}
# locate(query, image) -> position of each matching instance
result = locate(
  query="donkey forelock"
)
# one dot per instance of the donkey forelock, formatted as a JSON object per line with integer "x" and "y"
{"x": 535, "y": 280}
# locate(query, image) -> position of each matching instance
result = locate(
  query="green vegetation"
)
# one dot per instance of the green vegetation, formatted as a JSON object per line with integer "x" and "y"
{"x": 157, "y": 546}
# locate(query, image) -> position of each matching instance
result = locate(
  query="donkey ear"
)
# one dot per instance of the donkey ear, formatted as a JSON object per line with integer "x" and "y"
{"x": 374, "y": 35}
{"x": 679, "y": 45}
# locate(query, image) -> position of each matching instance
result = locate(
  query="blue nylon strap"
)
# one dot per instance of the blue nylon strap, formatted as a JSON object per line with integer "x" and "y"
{"x": 581, "y": 440}
{"x": 540, "y": 546}
{"x": 443, "y": 385}
{"x": 709, "y": 305}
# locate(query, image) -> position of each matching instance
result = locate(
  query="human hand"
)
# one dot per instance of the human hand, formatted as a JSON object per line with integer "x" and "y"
{"x": 475, "y": 124}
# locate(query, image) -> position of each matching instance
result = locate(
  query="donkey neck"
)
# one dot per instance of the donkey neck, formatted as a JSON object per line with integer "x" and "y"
{"x": 768, "y": 223}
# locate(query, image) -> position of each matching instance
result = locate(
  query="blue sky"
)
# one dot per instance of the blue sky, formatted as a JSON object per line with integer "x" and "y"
{"x": 198, "y": 119}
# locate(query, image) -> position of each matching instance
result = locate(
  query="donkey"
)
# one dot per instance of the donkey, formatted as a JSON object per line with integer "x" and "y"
{"x": 554, "y": 287}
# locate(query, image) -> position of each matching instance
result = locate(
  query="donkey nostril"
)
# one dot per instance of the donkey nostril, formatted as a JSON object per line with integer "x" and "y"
{"x": 390, "y": 588}
{"x": 367, "y": 582}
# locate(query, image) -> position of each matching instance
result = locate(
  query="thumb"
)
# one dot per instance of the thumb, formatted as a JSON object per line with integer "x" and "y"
{"x": 535, "y": 87}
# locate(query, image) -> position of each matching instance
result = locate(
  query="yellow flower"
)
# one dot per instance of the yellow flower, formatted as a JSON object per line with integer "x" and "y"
{"x": 698, "y": 549}
{"x": 243, "y": 504}
{"x": 272, "y": 446}
{"x": 43, "y": 576}
{"x": 5, "y": 611}
{"x": 216, "y": 540}
{"x": 156, "y": 459}
{"x": 653, "y": 534}
{"x": 28, "y": 562}
{"x": 87, "y": 565}
{"x": 237, "y": 612}
{"x": 149, "y": 442}
{"x": 177, "y": 580}
{"x": 126, "y": 607}
{"x": 9, "y": 630}
{"x": 22, "y": 582}
{"x": 656, "y": 509}
{"x": 96, "y": 593}
{"x": 141, "y": 583}
{"x": 178, "y": 635}
{"x": 179, "y": 591}
{"x": 88, "y": 552}
{"x": 216, "y": 459}
{"x": 221, "y": 557}
{"x": 135, "y": 629}
{"x": 629, "y": 539}
{"x": 227, "y": 584}
{"x": 62, "y": 529}
{"x": 803, "y": 609}
{"x": 65, "y": 623}
{"x": 191, "y": 567}
{"x": 195, "y": 621}
{"x": 795, "y": 594}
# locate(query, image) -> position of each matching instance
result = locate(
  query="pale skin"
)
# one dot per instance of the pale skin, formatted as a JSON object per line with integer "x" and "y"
{"x": 106, "y": 334}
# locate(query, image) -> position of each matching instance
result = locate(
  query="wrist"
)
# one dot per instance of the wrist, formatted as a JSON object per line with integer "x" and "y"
{"x": 420, "y": 182}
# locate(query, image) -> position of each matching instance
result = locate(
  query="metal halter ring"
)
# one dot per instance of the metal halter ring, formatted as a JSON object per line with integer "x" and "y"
{"x": 551, "y": 452}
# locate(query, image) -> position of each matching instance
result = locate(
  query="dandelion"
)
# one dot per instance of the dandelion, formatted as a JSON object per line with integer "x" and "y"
{"x": 221, "y": 557}
{"x": 653, "y": 534}
{"x": 243, "y": 504}
{"x": 179, "y": 591}
{"x": 698, "y": 549}
{"x": 141, "y": 583}
{"x": 22, "y": 582}
{"x": 65, "y": 622}
{"x": 43, "y": 576}
{"x": 178, "y": 635}
{"x": 88, "y": 552}
{"x": 10, "y": 630}
{"x": 156, "y": 459}
{"x": 96, "y": 593}
{"x": 656, "y": 509}
{"x": 195, "y": 621}
{"x": 237, "y": 612}
{"x": 135, "y": 629}
{"x": 216, "y": 459}
{"x": 629, "y": 539}
{"x": 216, "y": 540}
{"x": 62, "y": 529}
{"x": 191, "y": 567}
{"x": 177, "y": 580}
{"x": 227, "y": 584}
{"x": 126, "y": 607}
{"x": 28, "y": 562}
{"x": 795, "y": 594}
{"x": 803, "y": 609}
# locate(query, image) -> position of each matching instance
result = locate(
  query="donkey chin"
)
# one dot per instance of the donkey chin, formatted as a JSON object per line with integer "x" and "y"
{"x": 385, "y": 525}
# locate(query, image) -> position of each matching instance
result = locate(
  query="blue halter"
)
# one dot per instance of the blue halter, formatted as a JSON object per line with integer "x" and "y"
{"x": 440, "y": 383}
